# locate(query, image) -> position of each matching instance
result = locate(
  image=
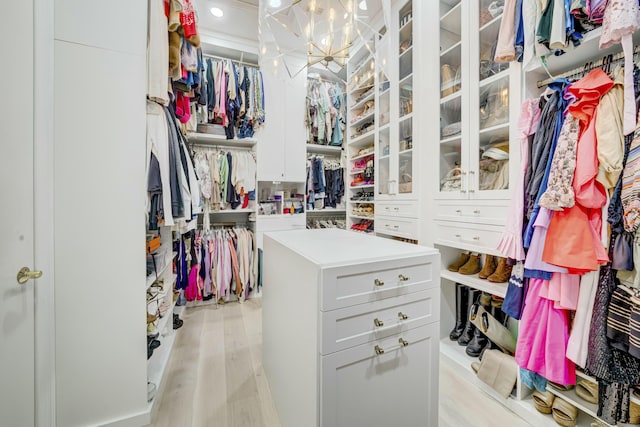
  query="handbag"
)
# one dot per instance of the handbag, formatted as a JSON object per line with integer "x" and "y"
{"x": 498, "y": 370}
{"x": 492, "y": 328}
{"x": 622, "y": 257}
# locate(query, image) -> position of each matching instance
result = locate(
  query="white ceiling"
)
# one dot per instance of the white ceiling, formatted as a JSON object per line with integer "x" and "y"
{"x": 237, "y": 30}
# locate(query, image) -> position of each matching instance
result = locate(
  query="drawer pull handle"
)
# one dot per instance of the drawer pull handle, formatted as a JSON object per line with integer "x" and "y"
{"x": 403, "y": 343}
{"x": 378, "y": 350}
{"x": 396, "y": 226}
{"x": 476, "y": 238}
{"x": 403, "y": 316}
{"x": 396, "y": 209}
{"x": 403, "y": 278}
{"x": 378, "y": 323}
{"x": 458, "y": 235}
{"x": 458, "y": 211}
{"x": 378, "y": 282}
{"x": 477, "y": 212}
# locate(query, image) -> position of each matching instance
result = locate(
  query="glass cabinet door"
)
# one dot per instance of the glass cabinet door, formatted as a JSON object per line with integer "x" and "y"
{"x": 383, "y": 155}
{"x": 451, "y": 179}
{"x": 490, "y": 171}
{"x": 404, "y": 150}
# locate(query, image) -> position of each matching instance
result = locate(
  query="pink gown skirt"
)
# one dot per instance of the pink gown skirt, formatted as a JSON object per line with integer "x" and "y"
{"x": 543, "y": 337}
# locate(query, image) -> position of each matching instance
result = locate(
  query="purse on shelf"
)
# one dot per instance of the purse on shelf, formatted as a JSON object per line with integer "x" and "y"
{"x": 492, "y": 328}
{"x": 498, "y": 370}
{"x": 452, "y": 180}
{"x": 449, "y": 80}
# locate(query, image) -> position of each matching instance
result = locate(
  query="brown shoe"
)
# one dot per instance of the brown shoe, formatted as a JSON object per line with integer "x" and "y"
{"x": 464, "y": 257}
{"x": 502, "y": 273}
{"x": 472, "y": 266}
{"x": 490, "y": 264}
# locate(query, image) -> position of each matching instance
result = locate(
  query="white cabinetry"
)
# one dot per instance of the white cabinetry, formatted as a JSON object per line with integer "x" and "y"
{"x": 478, "y": 150}
{"x": 282, "y": 147}
{"x": 358, "y": 345}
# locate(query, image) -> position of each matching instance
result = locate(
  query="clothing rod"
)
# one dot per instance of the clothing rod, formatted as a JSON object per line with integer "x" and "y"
{"x": 219, "y": 147}
{"x": 207, "y": 55}
{"x": 588, "y": 66}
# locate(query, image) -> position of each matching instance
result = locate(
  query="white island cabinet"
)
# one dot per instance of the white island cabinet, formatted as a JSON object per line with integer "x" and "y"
{"x": 350, "y": 329}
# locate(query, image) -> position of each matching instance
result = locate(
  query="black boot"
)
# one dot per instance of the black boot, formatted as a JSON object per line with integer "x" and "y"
{"x": 469, "y": 327}
{"x": 462, "y": 310}
{"x": 479, "y": 340}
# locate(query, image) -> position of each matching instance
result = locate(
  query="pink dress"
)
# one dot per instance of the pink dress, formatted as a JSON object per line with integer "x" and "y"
{"x": 534, "y": 256}
{"x": 543, "y": 336}
{"x": 563, "y": 289}
{"x": 510, "y": 245}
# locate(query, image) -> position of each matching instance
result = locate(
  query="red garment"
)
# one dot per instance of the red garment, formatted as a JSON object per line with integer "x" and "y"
{"x": 188, "y": 19}
{"x": 573, "y": 237}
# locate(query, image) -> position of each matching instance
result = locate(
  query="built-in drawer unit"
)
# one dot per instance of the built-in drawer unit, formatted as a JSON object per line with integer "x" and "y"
{"x": 478, "y": 238}
{"x": 369, "y": 282}
{"x": 397, "y": 226}
{"x": 473, "y": 212}
{"x": 408, "y": 209}
{"x": 362, "y": 385}
{"x": 355, "y": 325}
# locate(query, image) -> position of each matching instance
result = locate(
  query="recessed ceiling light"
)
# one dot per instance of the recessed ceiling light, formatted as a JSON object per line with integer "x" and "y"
{"x": 363, "y": 5}
{"x": 217, "y": 12}
{"x": 275, "y": 3}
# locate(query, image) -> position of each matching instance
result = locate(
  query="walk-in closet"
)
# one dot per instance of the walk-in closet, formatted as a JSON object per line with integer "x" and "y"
{"x": 320, "y": 213}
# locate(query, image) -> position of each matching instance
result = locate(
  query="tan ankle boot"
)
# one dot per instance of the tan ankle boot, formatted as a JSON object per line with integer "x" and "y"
{"x": 489, "y": 267}
{"x": 472, "y": 266}
{"x": 502, "y": 273}
{"x": 464, "y": 257}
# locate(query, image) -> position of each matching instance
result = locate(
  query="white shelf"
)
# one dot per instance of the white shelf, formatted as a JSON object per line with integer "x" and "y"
{"x": 523, "y": 408}
{"x": 274, "y": 216}
{"x": 323, "y": 149}
{"x": 406, "y": 152}
{"x": 361, "y": 140}
{"x": 494, "y": 21}
{"x": 360, "y": 66}
{"x": 362, "y": 119}
{"x": 452, "y": 20}
{"x": 361, "y": 103}
{"x": 451, "y": 97}
{"x": 445, "y": 53}
{"x": 489, "y": 80}
{"x": 409, "y": 22}
{"x": 152, "y": 277}
{"x": 499, "y": 289}
{"x": 451, "y": 140}
{"x": 487, "y": 134}
{"x": 360, "y": 216}
{"x": 356, "y": 171}
{"x": 361, "y": 202}
{"x": 220, "y": 140}
{"x": 353, "y": 187}
{"x": 362, "y": 156}
{"x": 406, "y": 117}
{"x": 384, "y": 92}
{"x": 384, "y": 127}
{"x": 326, "y": 211}
{"x": 366, "y": 84}
{"x": 409, "y": 49}
{"x": 231, "y": 211}
{"x": 405, "y": 78}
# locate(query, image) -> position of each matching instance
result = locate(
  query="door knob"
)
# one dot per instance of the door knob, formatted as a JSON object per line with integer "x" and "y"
{"x": 25, "y": 274}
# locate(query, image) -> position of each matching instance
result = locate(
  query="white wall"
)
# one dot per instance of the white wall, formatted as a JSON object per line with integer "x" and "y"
{"x": 99, "y": 193}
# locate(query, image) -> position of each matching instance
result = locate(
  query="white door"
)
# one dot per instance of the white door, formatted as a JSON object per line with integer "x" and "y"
{"x": 17, "y": 400}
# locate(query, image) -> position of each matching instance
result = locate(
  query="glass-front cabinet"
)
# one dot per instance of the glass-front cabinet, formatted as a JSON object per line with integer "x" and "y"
{"x": 396, "y": 170}
{"x": 478, "y": 104}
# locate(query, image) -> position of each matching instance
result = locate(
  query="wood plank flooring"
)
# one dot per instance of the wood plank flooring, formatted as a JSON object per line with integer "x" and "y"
{"x": 215, "y": 377}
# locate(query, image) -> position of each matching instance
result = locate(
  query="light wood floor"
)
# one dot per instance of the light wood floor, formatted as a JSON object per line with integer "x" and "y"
{"x": 215, "y": 377}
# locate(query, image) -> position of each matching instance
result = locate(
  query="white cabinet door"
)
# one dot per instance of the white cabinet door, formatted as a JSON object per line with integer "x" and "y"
{"x": 17, "y": 332}
{"x": 396, "y": 388}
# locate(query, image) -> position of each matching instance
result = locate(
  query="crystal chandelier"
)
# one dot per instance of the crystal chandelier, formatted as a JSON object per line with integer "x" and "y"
{"x": 322, "y": 30}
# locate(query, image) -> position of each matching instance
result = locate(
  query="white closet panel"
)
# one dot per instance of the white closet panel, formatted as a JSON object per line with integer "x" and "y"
{"x": 119, "y": 25}
{"x": 99, "y": 208}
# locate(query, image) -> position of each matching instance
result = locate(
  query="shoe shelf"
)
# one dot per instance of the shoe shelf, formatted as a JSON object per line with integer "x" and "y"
{"x": 362, "y": 156}
{"x": 360, "y": 104}
{"x": 587, "y": 408}
{"x": 163, "y": 268}
{"x": 364, "y": 139}
{"x": 361, "y": 216}
{"x": 326, "y": 211}
{"x": 523, "y": 407}
{"x": 361, "y": 120}
{"x": 499, "y": 289}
